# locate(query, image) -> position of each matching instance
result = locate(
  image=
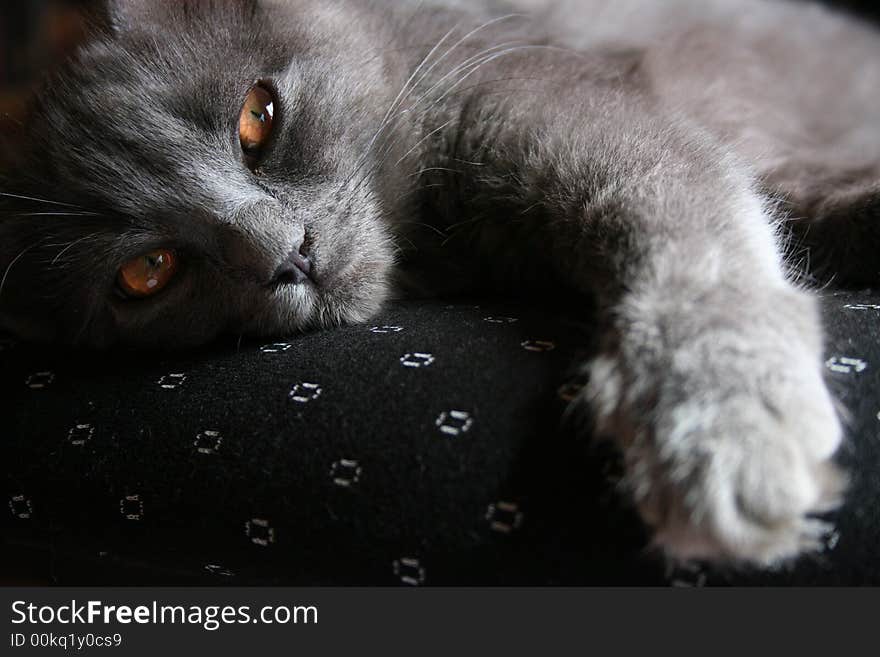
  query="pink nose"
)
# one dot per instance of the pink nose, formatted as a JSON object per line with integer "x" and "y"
{"x": 294, "y": 270}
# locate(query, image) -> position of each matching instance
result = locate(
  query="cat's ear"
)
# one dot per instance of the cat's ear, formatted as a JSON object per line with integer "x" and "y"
{"x": 110, "y": 16}
{"x": 105, "y": 17}
{"x": 68, "y": 24}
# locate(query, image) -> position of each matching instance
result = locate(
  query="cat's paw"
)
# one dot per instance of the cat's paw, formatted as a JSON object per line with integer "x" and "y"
{"x": 750, "y": 497}
{"x": 721, "y": 472}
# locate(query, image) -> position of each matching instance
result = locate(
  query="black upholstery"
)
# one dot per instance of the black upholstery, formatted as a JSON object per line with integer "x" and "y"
{"x": 425, "y": 448}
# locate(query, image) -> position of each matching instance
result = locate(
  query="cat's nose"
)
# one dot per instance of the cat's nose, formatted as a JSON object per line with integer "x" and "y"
{"x": 294, "y": 270}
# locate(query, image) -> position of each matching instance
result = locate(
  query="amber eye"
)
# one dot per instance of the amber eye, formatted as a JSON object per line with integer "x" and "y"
{"x": 146, "y": 275}
{"x": 255, "y": 120}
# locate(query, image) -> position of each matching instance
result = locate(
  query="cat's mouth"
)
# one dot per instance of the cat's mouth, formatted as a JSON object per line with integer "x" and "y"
{"x": 329, "y": 294}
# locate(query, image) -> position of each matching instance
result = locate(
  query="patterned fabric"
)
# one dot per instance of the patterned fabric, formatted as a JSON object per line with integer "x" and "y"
{"x": 430, "y": 447}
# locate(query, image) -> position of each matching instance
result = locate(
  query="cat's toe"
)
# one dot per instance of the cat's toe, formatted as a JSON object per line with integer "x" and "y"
{"x": 752, "y": 497}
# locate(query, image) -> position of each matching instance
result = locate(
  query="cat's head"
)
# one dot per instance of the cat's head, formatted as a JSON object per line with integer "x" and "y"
{"x": 198, "y": 168}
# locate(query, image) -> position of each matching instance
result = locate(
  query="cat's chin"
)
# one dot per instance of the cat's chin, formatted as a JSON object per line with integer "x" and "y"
{"x": 306, "y": 307}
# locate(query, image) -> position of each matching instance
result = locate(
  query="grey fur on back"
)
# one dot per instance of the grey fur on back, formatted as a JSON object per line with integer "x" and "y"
{"x": 785, "y": 83}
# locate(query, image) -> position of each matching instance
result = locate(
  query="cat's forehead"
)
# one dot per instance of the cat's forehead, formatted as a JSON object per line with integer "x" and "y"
{"x": 138, "y": 70}
{"x": 128, "y": 112}
{"x": 186, "y": 77}
{"x": 145, "y": 117}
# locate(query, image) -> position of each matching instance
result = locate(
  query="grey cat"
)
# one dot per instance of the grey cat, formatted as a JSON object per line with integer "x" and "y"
{"x": 266, "y": 166}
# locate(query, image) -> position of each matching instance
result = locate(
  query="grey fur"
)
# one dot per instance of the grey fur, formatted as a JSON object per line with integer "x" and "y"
{"x": 657, "y": 167}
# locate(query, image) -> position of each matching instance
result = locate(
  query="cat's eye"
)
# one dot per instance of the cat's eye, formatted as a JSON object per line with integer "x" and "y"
{"x": 147, "y": 274}
{"x": 255, "y": 120}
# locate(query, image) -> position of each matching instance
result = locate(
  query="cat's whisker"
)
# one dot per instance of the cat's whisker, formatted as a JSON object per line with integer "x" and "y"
{"x": 57, "y": 214}
{"x": 20, "y": 255}
{"x": 482, "y": 63}
{"x": 481, "y": 59}
{"x": 73, "y": 244}
{"x": 407, "y": 90}
{"x": 475, "y": 61}
{"x": 441, "y": 233}
{"x": 446, "y": 54}
{"x": 423, "y": 140}
{"x": 455, "y": 229}
{"x": 40, "y": 200}
{"x": 455, "y": 69}
{"x": 485, "y": 82}
{"x": 379, "y": 52}
{"x": 430, "y": 169}
{"x": 404, "y": 90}
{"x": 398, "y": 249}
{"x": 461, "y": 66}
{"x": 458, "y": 43}
{"x": 510, "y": 79}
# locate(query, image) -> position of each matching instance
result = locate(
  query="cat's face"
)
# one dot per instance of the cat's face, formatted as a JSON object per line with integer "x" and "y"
{"x": 186, "y": 169}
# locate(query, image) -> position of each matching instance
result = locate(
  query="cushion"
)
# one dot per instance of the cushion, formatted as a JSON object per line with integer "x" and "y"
{"x": 429, "y": 447}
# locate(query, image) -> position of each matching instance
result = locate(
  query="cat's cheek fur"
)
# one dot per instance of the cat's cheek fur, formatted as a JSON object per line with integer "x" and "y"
{"x": 352, "y": 296}
{"x": 358, "y": 291}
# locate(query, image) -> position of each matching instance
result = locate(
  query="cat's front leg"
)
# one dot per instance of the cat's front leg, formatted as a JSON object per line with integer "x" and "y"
{"x": 710, "y": 375}
{"x": 715, "y": 396}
